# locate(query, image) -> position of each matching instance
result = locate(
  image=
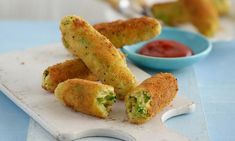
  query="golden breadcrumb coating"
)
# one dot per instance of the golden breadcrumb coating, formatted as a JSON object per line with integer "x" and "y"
{"x": 55, "y": 74}
{"x": 203, "y": 15}
{"x": 222, "y": 6}
{"x": 131, "y": 31}
{"x": 150, "y": 97}
{"x": 171, "y": 13}
{"x": 98, "y": 54}
{"x": 85, "y": 96}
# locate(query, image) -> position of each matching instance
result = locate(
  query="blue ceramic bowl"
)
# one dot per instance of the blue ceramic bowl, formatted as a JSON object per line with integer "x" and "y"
{"x": 200, "y": 46}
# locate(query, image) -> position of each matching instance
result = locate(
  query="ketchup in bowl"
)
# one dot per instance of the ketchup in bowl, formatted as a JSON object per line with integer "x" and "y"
{"x": 165, "y": 48}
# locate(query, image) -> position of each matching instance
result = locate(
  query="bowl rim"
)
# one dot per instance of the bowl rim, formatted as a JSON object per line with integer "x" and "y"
{"x": 202, "y": 53}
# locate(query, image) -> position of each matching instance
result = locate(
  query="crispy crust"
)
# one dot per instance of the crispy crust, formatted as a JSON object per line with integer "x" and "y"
{"x": 222, "y": 6}
{"x": 126, "y": 32}
{"x": 171, "y": 13}
{"x": 162, "y": 87}
{"x": 203, "y": 15}
{"x": 55, "y": 74}
{"x": 81, "y": 95}
{"x": 98, "y": 53}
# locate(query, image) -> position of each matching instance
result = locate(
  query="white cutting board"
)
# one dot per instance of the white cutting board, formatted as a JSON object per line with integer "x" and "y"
{"x": 20, "y": 80}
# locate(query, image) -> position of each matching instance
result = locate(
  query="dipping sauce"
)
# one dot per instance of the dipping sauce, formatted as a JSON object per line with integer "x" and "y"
{"x": 165, "y": 48}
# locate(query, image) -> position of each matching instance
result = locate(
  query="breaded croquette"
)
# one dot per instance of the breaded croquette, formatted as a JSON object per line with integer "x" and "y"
{"x": 98, "y": 54}
{"x": 92, "y": 98}
{"x": 67, "y": 46}
{"x": 127, "y": 32}
{"x": 203, "y": 15}
{"x": 55, "y": 74}
{"x": 131, "y": 31}
{"x": 222, "y": 6}
{"x": 171, "y": 13}
{"x": 145, "y": 27}
{"x": 150, "y": 97}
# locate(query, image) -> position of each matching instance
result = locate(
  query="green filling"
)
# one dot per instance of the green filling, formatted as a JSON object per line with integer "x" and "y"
{"x": 107, "y": 101}
{"x": 138, "y": 105}
{"x": 45, "y": 73}
{"x": 146, "y": 97}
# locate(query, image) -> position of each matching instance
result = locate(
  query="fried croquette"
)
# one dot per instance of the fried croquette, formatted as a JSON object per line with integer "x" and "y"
{"x": 222, "y": 6}
{"x": 171, "y": 13}
{"x": 119, "y": 29}
{"x": 150, "y": 97}
{"x": 67, "y": 46}
{"x": 131, "y": 31}
{"x": 89, "y": 97}
{"x": 55, "y": 74}
{"x": 98, "y": 54}
{"x": 127, "y": 32}
{"x": 203, "y": 15}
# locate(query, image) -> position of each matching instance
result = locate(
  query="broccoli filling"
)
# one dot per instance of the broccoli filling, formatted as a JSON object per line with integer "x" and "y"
{"x": 46, "y": 81}
{"x": 106, "y": 101}
{"x": 45, "y": 73}
{"x": 138, "y": 105}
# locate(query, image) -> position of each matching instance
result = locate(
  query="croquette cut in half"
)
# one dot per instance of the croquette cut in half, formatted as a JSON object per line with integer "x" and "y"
{"x": 88, "y": 97}
{"x": 150, "y": 97}
{"x": 98, "y": 54}
{"x": 60, "y": 72}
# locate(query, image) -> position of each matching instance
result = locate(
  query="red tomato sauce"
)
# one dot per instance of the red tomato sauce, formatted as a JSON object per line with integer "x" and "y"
{"x": 165, "y": 48}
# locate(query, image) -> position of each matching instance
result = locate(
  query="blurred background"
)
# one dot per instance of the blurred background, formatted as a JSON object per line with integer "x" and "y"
{"x": 168, "y": 11}
{"x": 51, "y": 10}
